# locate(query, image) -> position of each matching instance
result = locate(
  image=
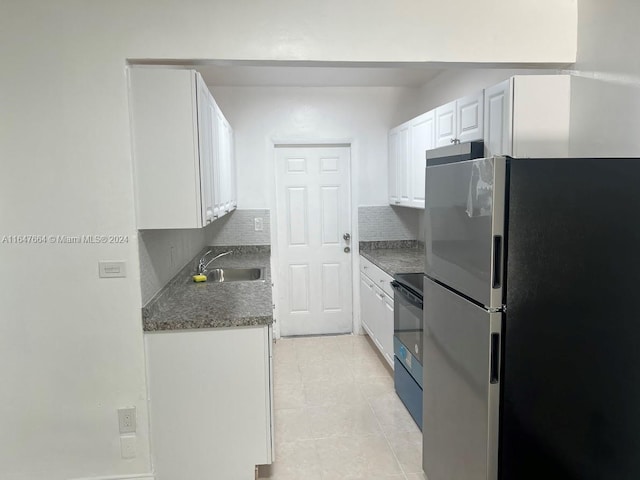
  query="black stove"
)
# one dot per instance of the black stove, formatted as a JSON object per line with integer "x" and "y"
{"x": 412, "y": 281}
{"x": 407, "y": 341}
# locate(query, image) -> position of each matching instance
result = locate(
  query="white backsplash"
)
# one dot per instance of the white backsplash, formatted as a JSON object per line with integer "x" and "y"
{"x": 163, "y": 253}
{"x": 390, "y": 223}
{"x": 238, "y": 228}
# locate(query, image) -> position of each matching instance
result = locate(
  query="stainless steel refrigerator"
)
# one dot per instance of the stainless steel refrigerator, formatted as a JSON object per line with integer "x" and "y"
{"x": 531, "y": 319}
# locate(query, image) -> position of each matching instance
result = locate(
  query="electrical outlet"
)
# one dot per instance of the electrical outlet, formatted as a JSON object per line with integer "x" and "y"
{"x": 127, "y": 420}
{"x": 128, "y": 446}
{"x": 257, "y": 223}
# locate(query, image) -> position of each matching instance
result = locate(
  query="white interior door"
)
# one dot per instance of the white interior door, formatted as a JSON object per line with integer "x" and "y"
{"x": 313, "y": 204}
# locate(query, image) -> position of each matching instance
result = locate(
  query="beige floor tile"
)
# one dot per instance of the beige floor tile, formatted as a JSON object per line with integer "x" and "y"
{"x": 288, "y": 395}
{"x": 343, "y": 420}
{"x": 295, "y": 461}
{"x": 407, "y": 447}
{"x": 368, "y": 367}
{"x": 356, "y": 457}
{"x": 375, "y": 386}
{"x": 333, "y": 370}
{"x": 416, "y": 476}
{"x": 286, "y": 374}
{"x": 337, "y": 415}
{"x": 367, "y": 476}
{"x": 392, "y": 414}
{"x": 321, "y": 356}
{"x": 324, "y": 393}
{"x": 292, "y": 425}
{"x": 285, "y": 356}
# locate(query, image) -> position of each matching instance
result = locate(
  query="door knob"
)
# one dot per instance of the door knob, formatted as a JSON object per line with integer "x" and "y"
{"x": 347, "y": 237}
{"x": 347, "y": 249}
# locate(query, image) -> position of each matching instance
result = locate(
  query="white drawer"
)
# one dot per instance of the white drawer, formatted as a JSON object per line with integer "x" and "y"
{"x": 377, "y": 276}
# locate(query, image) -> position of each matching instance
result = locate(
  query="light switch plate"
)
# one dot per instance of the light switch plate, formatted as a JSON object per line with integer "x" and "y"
{"x": 128, "y": 446}
{"x": 258, "y": 224}
{"x": 112, "y": 269}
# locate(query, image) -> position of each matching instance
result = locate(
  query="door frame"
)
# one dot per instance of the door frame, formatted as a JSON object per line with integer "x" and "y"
{"x": 307, "y": 142}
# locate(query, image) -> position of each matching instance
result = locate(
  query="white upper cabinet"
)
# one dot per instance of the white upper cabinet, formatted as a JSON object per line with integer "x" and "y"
{"x": 177, "y": 137}
{"x": 394, "y": 198}
{"x": 528, "y": 116}
{"x": 207, "y": 150}
{"x": 460, "y": 120}
{"x": 470, "y": 118}
{"x": 497, "y": 119}
{"x": 407, "y": 145}
{"x": 446, "y": 124}
{"x": 422, "y": 139}
{"x": 399, "y": 165}
{"x": 225, "y": 199}
{"x": 404, "y": 149}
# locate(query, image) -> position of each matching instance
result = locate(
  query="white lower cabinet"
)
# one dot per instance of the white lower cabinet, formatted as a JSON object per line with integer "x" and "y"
{"x": 210, "y": 402}
{"x": 376, "y": 307}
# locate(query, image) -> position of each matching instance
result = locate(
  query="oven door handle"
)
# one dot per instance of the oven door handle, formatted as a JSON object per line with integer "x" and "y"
{"x": 406, "y": 295}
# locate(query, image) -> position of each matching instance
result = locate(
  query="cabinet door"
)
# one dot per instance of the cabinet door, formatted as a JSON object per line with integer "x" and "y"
{"x": 216, "y": 418}
{"x": 422, "y": 139}
{"x": 470, "y": 118}
{"x": 386, "y": 330}
{"x": 233, "y": 174}
{"x": 164, "y": 122}
{"x": 446, "y": 122}
{"x": 497, "y": 119}
{"x": 404, "y": 152}
{"x": 206, "y": 139}
{"x": 219, "y": 165}
{"x": 367, "y": 298}
{"x": 380, "y": 317}
{"x": 225, "y": 166}
{"x": 393, "y": 167}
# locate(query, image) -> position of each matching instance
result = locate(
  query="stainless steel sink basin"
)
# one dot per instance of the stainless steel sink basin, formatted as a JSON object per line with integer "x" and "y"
{"x": 235, "y": 274}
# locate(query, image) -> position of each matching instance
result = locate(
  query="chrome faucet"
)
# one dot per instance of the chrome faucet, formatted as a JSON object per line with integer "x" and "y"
{"x": 202, "y": 267}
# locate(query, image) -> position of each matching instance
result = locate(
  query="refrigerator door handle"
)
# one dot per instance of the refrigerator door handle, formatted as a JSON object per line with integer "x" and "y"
{"x": 497, "y": 262}
{"x": 494, "y": 376}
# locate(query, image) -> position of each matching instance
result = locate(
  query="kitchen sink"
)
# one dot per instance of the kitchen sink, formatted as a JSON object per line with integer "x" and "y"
{"x": 235, "y": 274}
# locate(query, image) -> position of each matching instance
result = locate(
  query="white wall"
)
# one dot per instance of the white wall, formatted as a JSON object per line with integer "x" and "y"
{"x": 605, "y": 95}
{"x": 260, "y": 115}
{"x": 71, "y": 349}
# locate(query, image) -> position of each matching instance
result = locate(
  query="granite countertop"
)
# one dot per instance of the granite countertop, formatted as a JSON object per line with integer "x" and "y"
{"x": 185, "y": 304}
{"x": 405, "y": 256}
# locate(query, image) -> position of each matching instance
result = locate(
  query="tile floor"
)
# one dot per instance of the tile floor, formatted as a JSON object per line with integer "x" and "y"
{"x": 337, "y": 415}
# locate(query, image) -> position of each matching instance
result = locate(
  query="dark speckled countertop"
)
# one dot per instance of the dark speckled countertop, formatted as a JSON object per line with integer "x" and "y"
{"x": 184, "y": 304}
{"x": 405, "y": 256}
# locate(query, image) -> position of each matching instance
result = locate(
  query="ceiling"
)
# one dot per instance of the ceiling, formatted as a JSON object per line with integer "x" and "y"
{"x": 304, "y": 73}
{"x": 316, "y": 75}
{"x": 264, "y": 73}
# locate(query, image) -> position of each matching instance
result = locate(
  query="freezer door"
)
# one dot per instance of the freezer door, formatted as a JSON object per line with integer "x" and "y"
{"x": 464, "y": 225}
{"x": 461, "y": 387}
